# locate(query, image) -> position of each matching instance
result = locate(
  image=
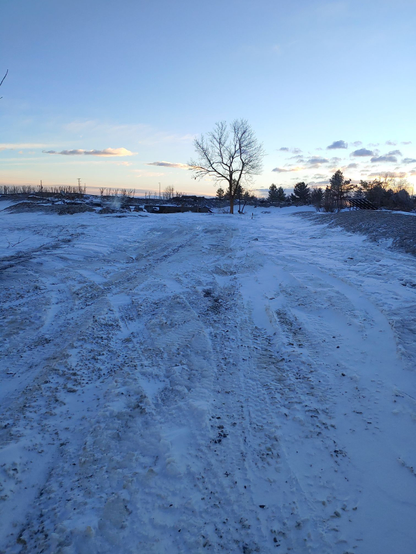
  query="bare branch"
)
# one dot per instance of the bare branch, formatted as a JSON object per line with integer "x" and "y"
{"x": 5, "y": 75}
{"x": 1, "y": 82}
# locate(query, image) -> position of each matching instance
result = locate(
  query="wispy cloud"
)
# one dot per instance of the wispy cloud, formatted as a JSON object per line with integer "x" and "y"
{"x": 170, "y": 164}
{"x": 21, "y": 146}
{"x": 336, "y": 9}
{"x": 391, "y": 142}
{"x": 352, "y": 166}
{"x": 289, "y": 149}
{"x": 317, "y": 160}
{"x": 65, "y": 152}
{"x": 406, "y": 142}
{"x": 337, "y": 145}
{"x": 144, "y": 173}
{"x": 317, "y": 184}
{"x": 379, "y": 159}
{"x": 110, "y": 152}
{"x": 362, "y": 152}
{"x": 357, "y": 143}
{"x": 107, "y": 152}
{"x": 284, "y": 170}
{"x": 140, "y": 133}
{"x": 408, "y": 160}
{"x": 394, "y": 153}
{"x": 392, "y": 174}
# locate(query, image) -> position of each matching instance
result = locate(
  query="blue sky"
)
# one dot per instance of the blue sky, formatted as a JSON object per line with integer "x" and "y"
{"x": 110, "y": 91}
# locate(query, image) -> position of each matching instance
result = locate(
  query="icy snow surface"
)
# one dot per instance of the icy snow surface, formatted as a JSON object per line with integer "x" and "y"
{"x": 204, "y": 383}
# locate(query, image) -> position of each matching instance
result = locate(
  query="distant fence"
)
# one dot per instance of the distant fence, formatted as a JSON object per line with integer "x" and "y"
{"x": 361, "y": 204}
{"x": 161, "y": 209}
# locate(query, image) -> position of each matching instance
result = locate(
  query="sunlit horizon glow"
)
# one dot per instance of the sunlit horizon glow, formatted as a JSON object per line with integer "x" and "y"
{"x": 316, "y": 98}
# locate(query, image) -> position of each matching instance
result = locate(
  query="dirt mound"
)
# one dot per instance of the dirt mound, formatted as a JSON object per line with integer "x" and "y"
{"x": 70, "y": 209}
{"x": 23, "y": 207}
{"x": 60, "y": 209}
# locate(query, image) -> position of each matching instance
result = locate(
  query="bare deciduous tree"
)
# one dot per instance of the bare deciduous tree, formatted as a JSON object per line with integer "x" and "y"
{"x": 231, "y": 154}
{"x": 168, "y": 193}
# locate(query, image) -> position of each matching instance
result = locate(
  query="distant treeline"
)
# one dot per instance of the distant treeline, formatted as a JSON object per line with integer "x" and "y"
{"x": 81, "y": 190}
{"x": 386, "y": 192}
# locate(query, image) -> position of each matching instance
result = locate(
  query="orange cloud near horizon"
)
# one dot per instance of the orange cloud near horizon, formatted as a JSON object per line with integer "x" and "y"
{"x": 107, "y": 152}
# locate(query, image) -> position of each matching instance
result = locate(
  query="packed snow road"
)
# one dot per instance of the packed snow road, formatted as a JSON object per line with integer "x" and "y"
{"x": 205, "y": 383}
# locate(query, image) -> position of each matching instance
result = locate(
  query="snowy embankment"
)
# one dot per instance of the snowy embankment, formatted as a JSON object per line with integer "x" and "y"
{"x": 397, "y": 228}
{"x": 205, "y": 383}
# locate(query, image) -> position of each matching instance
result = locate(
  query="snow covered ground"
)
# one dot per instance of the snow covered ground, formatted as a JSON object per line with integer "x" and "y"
{"x": 205, "y": 383}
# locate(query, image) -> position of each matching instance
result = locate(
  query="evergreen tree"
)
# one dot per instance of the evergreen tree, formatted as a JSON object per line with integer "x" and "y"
{"x": 328, "y": 200}
{"x": 220, "y": 193}
{"x": 272, "y": 193}
{"x": 276, "y": 195}
{"x": 317, "y": 196}
{"x": 339, "y": 189}
{"x": 301, "y": 193}
{"x": 281, "y": 195}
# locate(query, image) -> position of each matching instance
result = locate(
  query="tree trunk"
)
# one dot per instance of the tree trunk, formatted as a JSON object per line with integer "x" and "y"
{"x": 231, "y": 205}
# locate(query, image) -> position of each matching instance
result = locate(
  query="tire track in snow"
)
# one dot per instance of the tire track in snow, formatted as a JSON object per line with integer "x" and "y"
{"x": 361, "y": 374}
{"x": 215, "y": 418}
{"x": 94, "y": 305}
